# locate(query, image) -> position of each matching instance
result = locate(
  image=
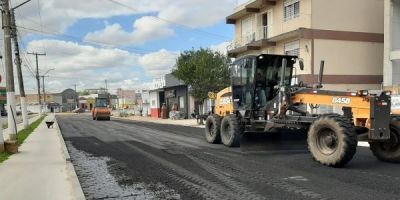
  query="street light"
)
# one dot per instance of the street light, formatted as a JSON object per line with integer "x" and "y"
{"x": 48, "y": 71}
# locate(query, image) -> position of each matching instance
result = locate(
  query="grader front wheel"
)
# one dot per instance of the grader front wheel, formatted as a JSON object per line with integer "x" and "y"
{"x": 231, "y": 131}
{"x": 388, "y": 151}
{"x": 212, "y": 129}
{"x": 332, "y": 140}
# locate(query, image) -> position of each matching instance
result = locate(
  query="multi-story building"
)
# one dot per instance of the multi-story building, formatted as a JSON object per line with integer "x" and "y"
{"x": 126, "y": 98}
{"x": 392, "y": 45}
{"x": 346, "y": 34}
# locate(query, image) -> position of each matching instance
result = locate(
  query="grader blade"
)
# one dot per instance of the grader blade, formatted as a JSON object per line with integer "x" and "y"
{"x": 280, "y": 140}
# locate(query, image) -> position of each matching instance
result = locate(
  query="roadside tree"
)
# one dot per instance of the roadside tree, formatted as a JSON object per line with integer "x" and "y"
{"x": 204, "y": 71}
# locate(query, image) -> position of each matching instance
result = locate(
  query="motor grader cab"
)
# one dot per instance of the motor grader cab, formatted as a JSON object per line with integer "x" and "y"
{"x": 262, "y": 98}
{"x": 101, "y": 111}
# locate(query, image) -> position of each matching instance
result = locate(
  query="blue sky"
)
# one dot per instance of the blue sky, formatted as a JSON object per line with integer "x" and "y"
{"x": 89, "y": 41}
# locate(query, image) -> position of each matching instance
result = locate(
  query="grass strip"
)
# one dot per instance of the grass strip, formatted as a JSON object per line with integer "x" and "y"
{"x": 22, "y": 135}
{"x": 4, "y": 156}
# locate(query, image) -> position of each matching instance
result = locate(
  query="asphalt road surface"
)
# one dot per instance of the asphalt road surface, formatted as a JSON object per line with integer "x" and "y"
{"x": 122, "y": 159}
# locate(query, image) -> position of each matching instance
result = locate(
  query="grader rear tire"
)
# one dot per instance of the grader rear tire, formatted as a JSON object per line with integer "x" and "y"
{"x": 388, "y": 151}
{"x": 231, "y": 131}
{"x": 332, "y": 140}
{"x": 213, "y": 129}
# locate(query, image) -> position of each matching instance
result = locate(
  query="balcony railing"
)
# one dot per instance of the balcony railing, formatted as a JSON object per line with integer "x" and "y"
{"x": 262, "y": 33}
{"x": 242, "y": 41}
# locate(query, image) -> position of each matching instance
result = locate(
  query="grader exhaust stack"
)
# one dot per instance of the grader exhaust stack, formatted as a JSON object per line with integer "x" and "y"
{"x": 321, "y": 74}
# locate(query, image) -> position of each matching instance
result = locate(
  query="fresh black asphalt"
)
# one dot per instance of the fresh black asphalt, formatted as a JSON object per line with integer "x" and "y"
{"x": 175, "y": 162}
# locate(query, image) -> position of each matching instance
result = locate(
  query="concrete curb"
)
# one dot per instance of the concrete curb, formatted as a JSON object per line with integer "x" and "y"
{"x": 76, "y": 186}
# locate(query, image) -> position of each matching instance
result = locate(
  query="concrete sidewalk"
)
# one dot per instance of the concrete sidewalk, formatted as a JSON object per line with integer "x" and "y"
{"x": 20, "y": 125}
{"x": 41, "y": 170}
{"x": 182, "y": 122}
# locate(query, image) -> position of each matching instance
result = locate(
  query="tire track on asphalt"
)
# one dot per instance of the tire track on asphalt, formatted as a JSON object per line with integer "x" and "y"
{"x": 212, "y": 188}
{"x": 170, "y": 144}
{"x": 218, "y": 158}
{"x": 207, "y": 189}
{"x": 260, "y": 177}
{"x": 242, "y": 191}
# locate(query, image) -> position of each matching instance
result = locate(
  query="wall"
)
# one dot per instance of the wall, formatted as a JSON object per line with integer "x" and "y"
{"x": 392, "y": 43}
{"x": 396, "y": 41}
{"x": 345, "y": 15}
{"x": 154, "y": 104}
{"x": 171, "y": 81}
{"x": 351, "y": 87}
{"x": 349, "y": 57}
{"x": 181, "y": 92}
{"x": 191, "y": 104}
{"x": 280, "y": 26}
{"x": 396, "y": 25}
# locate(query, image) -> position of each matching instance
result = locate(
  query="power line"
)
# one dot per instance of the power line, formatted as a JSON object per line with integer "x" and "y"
{"x": 41, "y": 23}
{"x": 28, "y": 63}
{"x": 172, "y": 22}
{"x": 54, "y": 33}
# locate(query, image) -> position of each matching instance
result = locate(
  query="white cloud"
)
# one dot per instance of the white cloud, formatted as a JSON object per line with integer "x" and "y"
{"x": 197, "y": 13}
{"x": 89, "y": 66}
{"x": 70, "y": 56}
{"x": 159, "y": 63}
{"x": 58, "y": 15}
{"x": 144, "y": 29}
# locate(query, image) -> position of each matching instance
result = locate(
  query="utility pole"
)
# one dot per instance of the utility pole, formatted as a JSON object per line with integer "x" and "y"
{"x": 38, "y": 78}
{"x": 9, "y": 69}
{"x": 76, "y": 100}
{"x": 106, "y": 86}
{"x": 44, "y": 91}
{"x": 19, "y": 71}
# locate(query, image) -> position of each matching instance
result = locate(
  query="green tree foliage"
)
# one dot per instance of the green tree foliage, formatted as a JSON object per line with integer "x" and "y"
{"x": 204, "y": 70}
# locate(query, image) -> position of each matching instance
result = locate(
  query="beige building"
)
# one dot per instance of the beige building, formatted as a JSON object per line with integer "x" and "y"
{"x": 32, "y": 99}
{"x": 347, "y": 34}
{"x": 392, "y": 45}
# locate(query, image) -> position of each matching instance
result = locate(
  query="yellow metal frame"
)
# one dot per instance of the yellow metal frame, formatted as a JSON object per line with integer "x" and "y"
{"x": 224, "y": 102}
{"x": 360, "y": 105}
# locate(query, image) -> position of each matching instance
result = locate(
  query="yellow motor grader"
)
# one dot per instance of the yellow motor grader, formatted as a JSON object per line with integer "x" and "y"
{"x": 262, "y": 98}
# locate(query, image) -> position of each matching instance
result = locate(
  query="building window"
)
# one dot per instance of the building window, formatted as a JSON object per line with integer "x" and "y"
{"x": 291, "y": 9}
{"x": 292, "y": 48}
